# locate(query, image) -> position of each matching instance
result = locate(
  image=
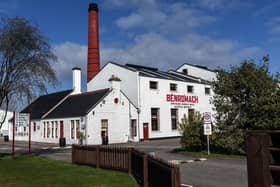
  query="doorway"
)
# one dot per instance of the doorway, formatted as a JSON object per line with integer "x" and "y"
{"x": 146, "y": 131}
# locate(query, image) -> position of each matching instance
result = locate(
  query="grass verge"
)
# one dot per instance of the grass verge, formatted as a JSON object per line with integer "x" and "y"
{"x": 33, "y": 171}
{"x": 205, "y": 155}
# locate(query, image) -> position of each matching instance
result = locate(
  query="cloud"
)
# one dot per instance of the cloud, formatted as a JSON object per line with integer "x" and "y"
{"x": 274, "y": 25}
{"x": 157, "y": 51}
{"x": 69, "y": 55}
{"x": 164, "y": 18}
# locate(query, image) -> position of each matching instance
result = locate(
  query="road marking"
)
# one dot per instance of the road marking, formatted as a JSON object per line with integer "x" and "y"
{"x": 186, "y": 185}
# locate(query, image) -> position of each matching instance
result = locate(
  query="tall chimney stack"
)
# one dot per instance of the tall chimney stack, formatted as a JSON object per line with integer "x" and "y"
{"x": 93, "y": 65}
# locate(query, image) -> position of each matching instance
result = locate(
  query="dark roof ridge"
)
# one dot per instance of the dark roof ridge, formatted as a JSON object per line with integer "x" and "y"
{"x": 198, "y": 66}
{"x": 90, "y": 92}
{"x": 56, "y": 92}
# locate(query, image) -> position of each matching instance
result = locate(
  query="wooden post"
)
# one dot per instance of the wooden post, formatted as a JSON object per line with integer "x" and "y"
{"x": 129, "y": 161}
{"x": 13, "y": 143}
{"x": 145, "y": 171}
{"x": 73, "y": 154}
{"x": 97, "y": 157}
{"x": 29, "y": 137}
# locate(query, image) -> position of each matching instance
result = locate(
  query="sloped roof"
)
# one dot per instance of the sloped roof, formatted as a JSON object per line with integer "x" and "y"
{"x": 44, "y": 103}
{"x": 78, "y": 105}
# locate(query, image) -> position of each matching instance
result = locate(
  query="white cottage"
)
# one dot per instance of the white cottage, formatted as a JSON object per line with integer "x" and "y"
{"x": 100, "y": 116}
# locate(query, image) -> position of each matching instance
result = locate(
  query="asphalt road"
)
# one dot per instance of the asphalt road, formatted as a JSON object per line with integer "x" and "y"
{"x": 209, "y": 173}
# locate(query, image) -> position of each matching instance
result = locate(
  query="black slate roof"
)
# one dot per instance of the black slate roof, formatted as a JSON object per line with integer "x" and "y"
{"x": 78, "y": 105}
{"x": 44, "y": 103}
{"x": 170, "y": 75}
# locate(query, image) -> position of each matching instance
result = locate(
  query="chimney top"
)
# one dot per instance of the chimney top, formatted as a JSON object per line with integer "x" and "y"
{"x": 114, "y": 78}
{"x": 93, "y": 6}
{"x": 76, "y": 68}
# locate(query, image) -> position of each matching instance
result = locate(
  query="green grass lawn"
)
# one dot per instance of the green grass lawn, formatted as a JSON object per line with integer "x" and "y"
{"x": 205, "y": 155}
{"x": 33, "y": 171}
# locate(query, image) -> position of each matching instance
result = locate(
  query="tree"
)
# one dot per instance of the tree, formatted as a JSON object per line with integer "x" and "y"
{"x": 25, "y": 57}
{"x": 246, "y": 97}
{"x": 191, "y": 130}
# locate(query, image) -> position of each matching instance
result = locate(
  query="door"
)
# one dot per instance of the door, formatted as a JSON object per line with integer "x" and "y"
{"x": 61, "y": 129}
{"x": 146, "y": 131}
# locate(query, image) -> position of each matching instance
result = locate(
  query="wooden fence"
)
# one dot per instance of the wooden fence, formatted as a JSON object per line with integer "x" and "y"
{"x": 263, "y": 158}
{"x": 147, "y": 170}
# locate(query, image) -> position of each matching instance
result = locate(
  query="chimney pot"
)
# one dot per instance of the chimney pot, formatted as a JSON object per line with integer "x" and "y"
{"x": 76, "y": 71}
{"x": 93, "y": 6}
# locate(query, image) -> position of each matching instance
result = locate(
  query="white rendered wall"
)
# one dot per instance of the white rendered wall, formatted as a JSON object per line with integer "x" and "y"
{"x": 157, "y": 99}
{"x": 118, "y": 116}
{"x": 198, "y": 72}
{"x": 128, "y": 80}
{"x": 5, "y": 127}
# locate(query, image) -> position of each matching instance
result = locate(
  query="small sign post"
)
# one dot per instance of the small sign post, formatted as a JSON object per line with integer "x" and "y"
{"x": 207, "y": 128}
{"x": 21, "y": 120}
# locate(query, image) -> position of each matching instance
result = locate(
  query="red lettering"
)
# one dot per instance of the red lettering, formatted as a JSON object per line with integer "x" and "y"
{"x": 168, "y": 97}
{"x": 181, "y": 98}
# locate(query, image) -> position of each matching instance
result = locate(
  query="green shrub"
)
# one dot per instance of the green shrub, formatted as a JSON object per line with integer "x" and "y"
{"x": 191, "y": 129}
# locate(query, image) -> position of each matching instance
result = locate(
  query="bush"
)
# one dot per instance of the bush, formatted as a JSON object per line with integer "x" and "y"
{"x": 191, "y": 129}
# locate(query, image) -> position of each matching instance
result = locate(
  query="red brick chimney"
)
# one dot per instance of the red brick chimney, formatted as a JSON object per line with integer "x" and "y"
{"x": 93, "y": 65}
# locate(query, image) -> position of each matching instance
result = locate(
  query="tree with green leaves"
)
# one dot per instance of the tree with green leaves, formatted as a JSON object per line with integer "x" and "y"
{"x": 247, "y": 97}
{"x": 25, "y": 62}
{"x": 191, "y": 128}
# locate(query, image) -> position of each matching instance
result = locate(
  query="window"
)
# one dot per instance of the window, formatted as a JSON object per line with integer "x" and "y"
{"x": 104, "y": 124}
{"x": 77, "y": 128}
{"x": 72, "y": 129}
{"x": 190, "y": 89}
{"x": 133, "y": 128}
{"x": 153, "y": 85}
{"x": 185, "y": 71}
{"x": 48, "y": 130}
{"x": 44, "y": 133}
{"x": 174, "y": 118}
{"x": 56, "y": 129}
{"x": 155, "y": 119}
{"x": 34, "y": 126}
{"x": 190, "y": 113}
{"x": 207, "y": 91}
{"x": 24, "y": 129}
{"x": 52, "y": 128}
{"x": 173, "y": 87}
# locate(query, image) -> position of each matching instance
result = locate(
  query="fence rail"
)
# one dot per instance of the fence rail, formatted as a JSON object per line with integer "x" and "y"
{"x": 147, "y": 170}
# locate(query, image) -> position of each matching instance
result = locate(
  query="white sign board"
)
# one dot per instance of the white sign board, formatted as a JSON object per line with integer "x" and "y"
{"x": 22, "y": 119}
{"x": 207, "y": 129}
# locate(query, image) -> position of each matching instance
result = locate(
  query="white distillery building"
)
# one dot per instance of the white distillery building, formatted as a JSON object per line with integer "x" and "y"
{"x": 161, "y": 98}
{"x": 100, "y": 115}
{"x": 122, "y": 103}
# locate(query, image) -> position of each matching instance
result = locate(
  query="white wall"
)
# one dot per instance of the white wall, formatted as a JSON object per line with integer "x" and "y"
{"x": 198, "y": 72}
{"x": 5, "y": 127}
{"x": 118, "y": 116}
{"x": 157, "y": 99}
{"x": 128, "y": 80}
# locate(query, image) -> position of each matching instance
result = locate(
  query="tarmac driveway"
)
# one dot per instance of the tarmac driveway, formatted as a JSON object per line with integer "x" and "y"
{"x": 209, "y": 173}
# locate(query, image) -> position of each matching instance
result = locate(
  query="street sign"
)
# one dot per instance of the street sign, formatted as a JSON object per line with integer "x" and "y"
{"x": 207, "y": 129}
{"x": 207, "y": 117}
